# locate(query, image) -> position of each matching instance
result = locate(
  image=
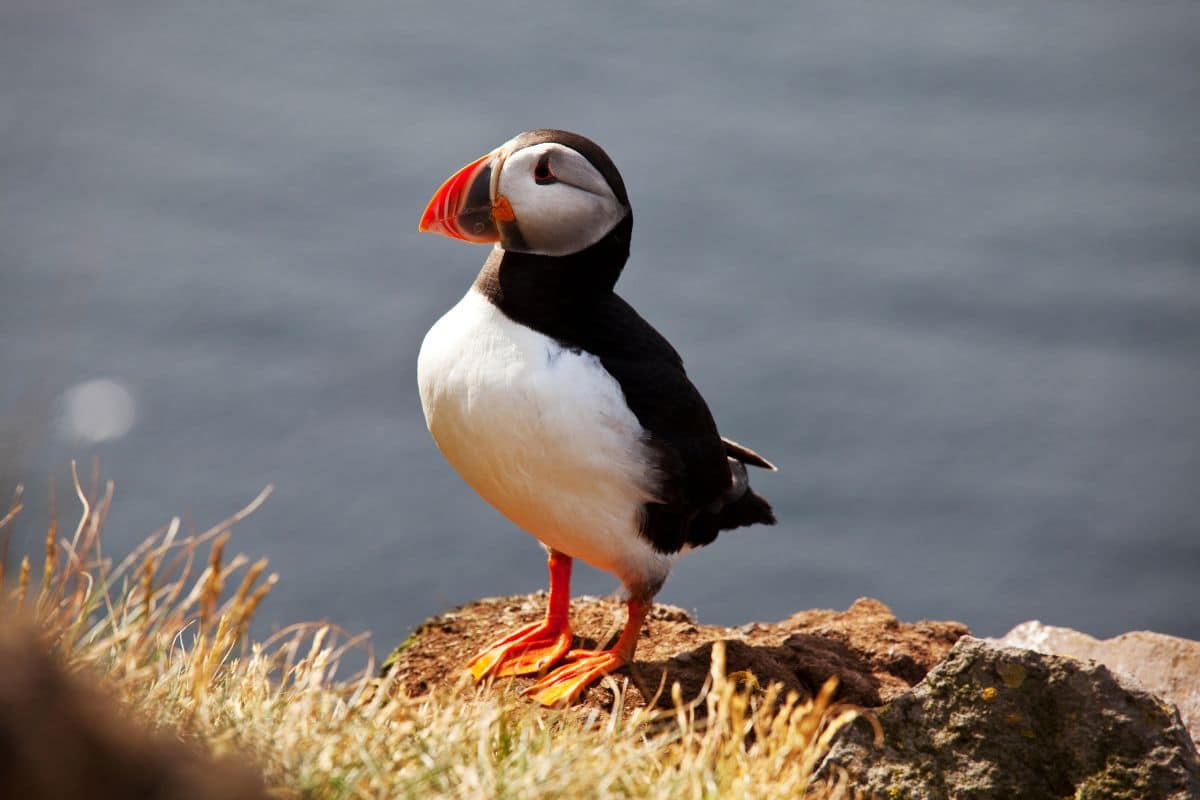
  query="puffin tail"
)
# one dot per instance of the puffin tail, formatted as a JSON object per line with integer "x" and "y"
{"x": 749, "y": 509}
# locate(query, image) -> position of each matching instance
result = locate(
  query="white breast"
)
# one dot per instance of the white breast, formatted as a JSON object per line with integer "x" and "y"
{"x": 543, "y": 434}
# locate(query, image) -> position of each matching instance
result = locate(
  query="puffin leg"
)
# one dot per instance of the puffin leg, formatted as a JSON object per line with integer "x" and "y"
{"x": 566, "y": 683}
{"x": 540, "y": 645}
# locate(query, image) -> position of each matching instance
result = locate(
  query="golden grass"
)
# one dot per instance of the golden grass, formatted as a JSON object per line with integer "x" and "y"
{"x": 166, "y": 628}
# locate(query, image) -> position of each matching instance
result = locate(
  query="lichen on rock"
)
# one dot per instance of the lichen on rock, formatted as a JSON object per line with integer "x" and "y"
{"x": 993, "y": 722}
{"x": 1166, "y": 665}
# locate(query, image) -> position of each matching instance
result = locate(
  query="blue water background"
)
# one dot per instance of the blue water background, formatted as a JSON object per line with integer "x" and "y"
{"x": 940, "y": 261}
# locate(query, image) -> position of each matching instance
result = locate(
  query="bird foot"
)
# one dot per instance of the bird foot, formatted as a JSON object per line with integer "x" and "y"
{"x": 565, "y": 684}
{"x": 531, "y": 649}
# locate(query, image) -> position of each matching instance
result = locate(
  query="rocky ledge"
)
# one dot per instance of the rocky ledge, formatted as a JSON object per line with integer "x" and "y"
{"x": 962, "y": 717}
{"x": 875, "y": 656}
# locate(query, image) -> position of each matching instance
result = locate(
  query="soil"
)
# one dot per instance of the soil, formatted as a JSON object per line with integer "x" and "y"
{"x": 875, "y": 656}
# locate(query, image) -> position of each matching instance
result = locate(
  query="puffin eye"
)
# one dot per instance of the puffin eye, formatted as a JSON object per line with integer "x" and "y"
{"x": 542, "y": 173}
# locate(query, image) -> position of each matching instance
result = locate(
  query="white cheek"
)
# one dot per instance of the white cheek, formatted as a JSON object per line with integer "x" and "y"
{"x": 557, "y": 219}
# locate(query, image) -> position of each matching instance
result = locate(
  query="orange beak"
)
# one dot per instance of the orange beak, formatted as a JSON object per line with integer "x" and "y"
{"x": 463, "y": 209}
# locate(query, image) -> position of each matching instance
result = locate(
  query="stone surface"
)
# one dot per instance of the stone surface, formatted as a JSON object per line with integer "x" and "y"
{"x": 874, "y": 655}
{"x": 993, "y": 722}
{"x": 1166, "y": 665}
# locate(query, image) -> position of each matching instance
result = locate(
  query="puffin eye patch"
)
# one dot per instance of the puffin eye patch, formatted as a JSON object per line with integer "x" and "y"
{"x": 542, "y": 173}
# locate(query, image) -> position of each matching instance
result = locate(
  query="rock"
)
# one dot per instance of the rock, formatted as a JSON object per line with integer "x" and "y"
{"x": 61, "y": 738}
{"x": 993, "y": 722}
{"x": 874, "y": 655}
{"x": 1166, "y": 665}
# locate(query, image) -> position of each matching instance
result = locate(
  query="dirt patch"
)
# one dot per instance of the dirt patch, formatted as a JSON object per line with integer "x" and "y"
{"x": 875, "y": 656}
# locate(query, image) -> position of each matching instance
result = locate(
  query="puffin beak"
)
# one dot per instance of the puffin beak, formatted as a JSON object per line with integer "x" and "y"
{"x": 463, "y": 209}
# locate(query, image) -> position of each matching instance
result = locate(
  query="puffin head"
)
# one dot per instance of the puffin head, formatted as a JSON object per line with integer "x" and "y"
{"x": 544, "y": 192}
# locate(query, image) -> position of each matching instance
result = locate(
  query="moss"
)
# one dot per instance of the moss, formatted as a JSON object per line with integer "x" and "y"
{"x": 1119, "y": 780}
{"x": 388, "y": 662}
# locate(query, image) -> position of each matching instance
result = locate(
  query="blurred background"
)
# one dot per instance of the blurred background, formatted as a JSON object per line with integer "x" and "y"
{"x": 939, "y": 261}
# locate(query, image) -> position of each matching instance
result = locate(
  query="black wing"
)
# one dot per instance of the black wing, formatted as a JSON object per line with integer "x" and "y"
{"x": 703, "y": 486}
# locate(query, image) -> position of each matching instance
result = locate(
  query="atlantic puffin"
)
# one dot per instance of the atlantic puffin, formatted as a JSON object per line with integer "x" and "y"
{"x": 562, "y": 407}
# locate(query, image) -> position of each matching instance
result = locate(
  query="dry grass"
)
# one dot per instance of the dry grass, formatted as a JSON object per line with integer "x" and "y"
{"x": 166, "y": 628}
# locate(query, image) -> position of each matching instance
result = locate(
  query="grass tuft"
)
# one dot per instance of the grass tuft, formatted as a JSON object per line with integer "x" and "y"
{"x": 166, "y": 630}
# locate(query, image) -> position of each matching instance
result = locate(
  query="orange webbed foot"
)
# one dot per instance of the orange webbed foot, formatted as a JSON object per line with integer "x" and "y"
{"x": 565, "y": 684}
{"x": 531, "y": 649}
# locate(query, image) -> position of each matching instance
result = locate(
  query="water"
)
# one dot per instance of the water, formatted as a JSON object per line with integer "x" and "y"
{"x": 940, "y": 262}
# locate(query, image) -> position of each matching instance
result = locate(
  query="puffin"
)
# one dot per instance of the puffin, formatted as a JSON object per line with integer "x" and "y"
{"x": 562, "y": 407}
